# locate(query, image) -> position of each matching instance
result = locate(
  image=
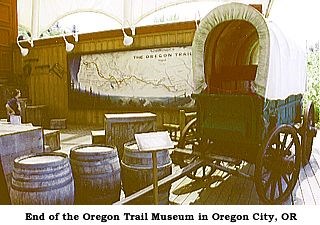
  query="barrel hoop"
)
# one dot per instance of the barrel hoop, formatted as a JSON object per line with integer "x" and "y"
{"x": 74, "y": 159}
{"x": 138, "y": 167}
{"x": 42, "y": 189}
{"x": 102, "y": 174}
{"x": 73, "y": 150}
{"x": 95, "y": 156}
{"x": 43, "y": 165}
{"x": 44, "y": 179}
{"x": 94, "y": 163}
{"x": 34, "y": 172}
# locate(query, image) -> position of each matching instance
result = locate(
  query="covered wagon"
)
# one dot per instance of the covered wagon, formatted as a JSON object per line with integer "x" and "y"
{"x": 249, "y": 84}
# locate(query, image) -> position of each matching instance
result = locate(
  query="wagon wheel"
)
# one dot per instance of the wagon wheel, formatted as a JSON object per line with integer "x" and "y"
{"x": 308, "y": 133}
{"x": 278, "y": 166}
{"x": 188, "y": 134}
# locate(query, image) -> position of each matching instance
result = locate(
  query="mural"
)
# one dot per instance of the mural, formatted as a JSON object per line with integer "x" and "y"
{"x": 160, "y": 76}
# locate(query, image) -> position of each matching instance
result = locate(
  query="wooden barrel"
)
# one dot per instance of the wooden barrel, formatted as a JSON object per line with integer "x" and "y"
{"x": 96, "y": 171}
{"x": 136, "y": 173}
{"x": 42, "y": 179}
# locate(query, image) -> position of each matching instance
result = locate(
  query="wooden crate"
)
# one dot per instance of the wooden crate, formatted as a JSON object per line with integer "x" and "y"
{"x": 52, "y": 139}
{"x": 15, "y": 141}
{"x": 120, "y": 128}
{"x": 36, "y": 114}
{"x": 58, "y": 124}
{"x": 98, "y": 137}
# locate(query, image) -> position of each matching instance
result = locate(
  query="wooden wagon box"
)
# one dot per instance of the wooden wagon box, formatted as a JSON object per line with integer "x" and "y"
{"x": 15, "y": 141}
{"x": 120, "y": 128}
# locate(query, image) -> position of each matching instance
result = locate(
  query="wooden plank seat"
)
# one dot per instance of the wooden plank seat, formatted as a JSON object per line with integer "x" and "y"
{"x": 236, "y": 79}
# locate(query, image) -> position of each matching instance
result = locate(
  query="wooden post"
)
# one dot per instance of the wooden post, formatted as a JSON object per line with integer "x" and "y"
{"x": 155, "y": 178}
{"x": 182, "y": 120}
{"x": 154, "y": 142}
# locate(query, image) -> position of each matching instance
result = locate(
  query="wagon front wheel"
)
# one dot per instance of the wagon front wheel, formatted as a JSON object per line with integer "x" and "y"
{"x": 278, "y": 165}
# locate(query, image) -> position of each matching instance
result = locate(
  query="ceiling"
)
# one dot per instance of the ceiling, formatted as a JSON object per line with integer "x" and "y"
{"x": 37, "y": 16}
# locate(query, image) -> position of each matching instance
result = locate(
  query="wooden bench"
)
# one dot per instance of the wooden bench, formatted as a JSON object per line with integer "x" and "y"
{"x": 51, "y": 139}
{"x": 98, "y": 137}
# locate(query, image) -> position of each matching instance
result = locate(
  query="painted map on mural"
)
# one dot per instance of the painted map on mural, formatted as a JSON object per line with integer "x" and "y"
{"x": 163, "y": 72}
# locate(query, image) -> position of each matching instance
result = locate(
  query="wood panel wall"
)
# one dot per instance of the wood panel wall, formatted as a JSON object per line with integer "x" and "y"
{"x": 8, "y": 34}
{"x": 45, "y": 70}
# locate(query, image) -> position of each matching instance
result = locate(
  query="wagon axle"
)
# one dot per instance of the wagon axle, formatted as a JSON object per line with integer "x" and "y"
{"x": 280, "y": 165}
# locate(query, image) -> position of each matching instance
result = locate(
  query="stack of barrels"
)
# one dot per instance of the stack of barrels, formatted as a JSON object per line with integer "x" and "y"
{"x": 92, "y": 175}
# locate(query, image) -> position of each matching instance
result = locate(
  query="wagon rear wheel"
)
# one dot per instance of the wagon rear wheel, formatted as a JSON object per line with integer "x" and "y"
{"x": 308, "y": 132}
{"x": 278, "y": 165}
{"x": 189, "y": 136}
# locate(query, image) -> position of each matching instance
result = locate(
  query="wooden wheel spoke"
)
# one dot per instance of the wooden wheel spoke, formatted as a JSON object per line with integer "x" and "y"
{"x": 283, "y": 143}
{"x": 267, "y": 185}
{"x": 266, "y": 175}
{"x": 273, "y": 189}
{"x": 285, "y": 178}
{"x": 290, "y": 145}
{"x": 280, "y": 186}
{"x": 265, "y": 160}
{"x": 276, "y": 142}
{"x": 291, "y": 157}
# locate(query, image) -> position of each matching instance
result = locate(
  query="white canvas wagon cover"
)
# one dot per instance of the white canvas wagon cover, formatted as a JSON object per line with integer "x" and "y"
{"x": 281, "y": 64}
